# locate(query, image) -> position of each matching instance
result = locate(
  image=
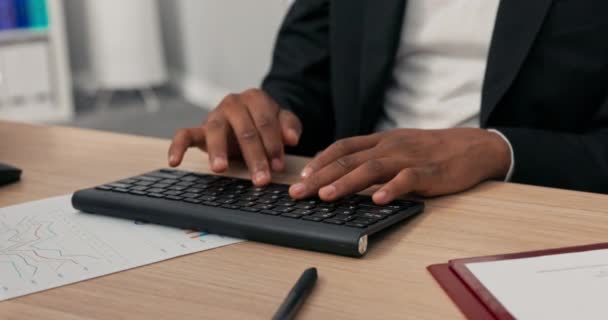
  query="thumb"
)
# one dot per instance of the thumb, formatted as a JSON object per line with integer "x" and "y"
{"x": 291, "y": 127}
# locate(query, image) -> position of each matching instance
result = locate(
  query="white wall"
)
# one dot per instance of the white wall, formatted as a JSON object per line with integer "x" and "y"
{"x": 212, "y": 47}
{"x": 218, "y": 46}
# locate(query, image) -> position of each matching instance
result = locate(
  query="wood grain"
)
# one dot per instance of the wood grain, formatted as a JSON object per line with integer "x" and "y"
{"x": 249, "y": 280}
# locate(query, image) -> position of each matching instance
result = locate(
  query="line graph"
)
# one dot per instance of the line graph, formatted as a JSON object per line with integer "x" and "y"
{"x": 29, "y": 245}
{"x": 46, "y": 244}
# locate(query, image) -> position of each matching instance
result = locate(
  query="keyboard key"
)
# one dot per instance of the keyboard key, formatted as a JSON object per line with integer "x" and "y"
{"x": 189, "y": 178}
{"x": 175, "y": 198}
{"x": 128, "y": 181}
{"x": 147, "y": 178}
{"x": 250, "y": 209}
{"x": 226, "y": 201}
{"x": 169, "y": 181}
{"x": 192, "y": 200}
{"x": 312, "y": 218}
{"x": 143, "y": 183}
{"x": 191, "y": 195}
{"x": 140, "y": 188}
{"x": 195, "y": 190}
{"x": 344, "y": 211}
{"x": 230, "y": 206}
{"x": 184, "y": 184}
{"x": 160, "y": 185}
{"x": 104, "y": 188}
{"x": 245, "y": 204}
{"x": 173, "y": 193}
{"x": 270, "y": 212}
{"x": 305, "y": 206}
{"x": 343, "y": 217}
{"x": 324, "y": 215}
{"x": 333, "y": 221}
{"x": 211, "y": 203}
{"x": 356, "y": 224}
{"x": 121, "y": 190}
{"x": 178, "y": 188}
{"x": 325, "y": 209}
{"x": 284, "y": 209}
{"x": 291, "y": 215}
{"x": 370, "y": 216}
{"x": 155, "y": 195}
{"x": 163, "y": 175}
{"x": 208, "y": 198}
{"x": 156, "y": 190}
{"x": 303, "y": 212}
{"x": 119, "y": 185}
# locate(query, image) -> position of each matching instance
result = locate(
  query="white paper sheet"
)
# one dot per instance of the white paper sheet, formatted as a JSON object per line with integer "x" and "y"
{"x": 564, "y": 286}
{"x": 47, "y": 244}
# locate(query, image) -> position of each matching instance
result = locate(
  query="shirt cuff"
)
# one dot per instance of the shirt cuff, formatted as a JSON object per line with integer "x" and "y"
{"x": 512, "y": 166}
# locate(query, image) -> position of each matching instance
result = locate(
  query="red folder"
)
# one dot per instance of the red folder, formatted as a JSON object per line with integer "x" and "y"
{"x": 471, "y": 297}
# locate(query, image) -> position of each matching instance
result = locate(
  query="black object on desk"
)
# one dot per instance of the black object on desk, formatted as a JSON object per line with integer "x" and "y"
{"x": 237, "y": 208}
{"x": 9, "y": 174}
{"x": 297, "y": 295}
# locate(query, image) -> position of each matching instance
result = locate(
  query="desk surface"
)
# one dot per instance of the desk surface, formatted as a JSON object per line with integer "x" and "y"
{"x": 249, "y": 280}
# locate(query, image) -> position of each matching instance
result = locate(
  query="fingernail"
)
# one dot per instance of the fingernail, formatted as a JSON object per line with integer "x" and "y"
{"x": 381, "y": 196}
{"x": 219, "y": 163}
{"x": 277, "y": 164}
{"x": 306, "y": 172}
{"x": 328, "y": 191}
{"x": 260, "y": 177}
{"x": 172, "y": 159}
{"x": 298, "y": 189}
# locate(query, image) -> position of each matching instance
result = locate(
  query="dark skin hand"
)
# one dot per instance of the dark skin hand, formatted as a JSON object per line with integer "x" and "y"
{"x": 427, "y": 162}
{"x": 248, "y": 125}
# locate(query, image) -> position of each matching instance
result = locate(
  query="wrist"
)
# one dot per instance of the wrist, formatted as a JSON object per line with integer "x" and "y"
{"x": 499, "y": 155}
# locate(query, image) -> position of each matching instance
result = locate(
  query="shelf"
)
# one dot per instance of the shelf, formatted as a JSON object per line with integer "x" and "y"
{"x": 22, "y": 35}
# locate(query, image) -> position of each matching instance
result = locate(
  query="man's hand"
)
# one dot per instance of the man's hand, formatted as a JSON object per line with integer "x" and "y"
{"x": 250, "y": 125}
{"x": 427, "y": 162}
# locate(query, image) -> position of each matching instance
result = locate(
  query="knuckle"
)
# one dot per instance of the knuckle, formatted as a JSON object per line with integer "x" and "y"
{"x": 251, "y": 93}
{"x": 248, "y": 135}
{"x": 230, "y": 101}
{"x": 214, "y": 122}
{"x": 346, "y": 162}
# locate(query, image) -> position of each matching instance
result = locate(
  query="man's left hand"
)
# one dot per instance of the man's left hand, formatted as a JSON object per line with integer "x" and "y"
{"x": 426, "y": 162}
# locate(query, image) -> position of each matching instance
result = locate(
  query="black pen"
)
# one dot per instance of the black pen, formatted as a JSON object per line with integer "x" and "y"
{"x": 297, "y": 295}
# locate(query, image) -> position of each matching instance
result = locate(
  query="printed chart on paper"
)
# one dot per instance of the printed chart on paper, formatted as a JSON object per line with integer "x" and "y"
{"x": 47, "y": 243}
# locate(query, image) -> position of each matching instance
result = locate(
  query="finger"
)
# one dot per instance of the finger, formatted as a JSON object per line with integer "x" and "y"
{"x": 184, "y": 139}
{"x": 366, "y": 175}
{"x": 249, "y": 140}
{"x": 337, "y": 150}
{"x": 406, "y": 181}
{"x": 330, "y": 173}
{"x": 265, "y": 117}
{"x": 291, "y": 127}
{"x": 217, "y": 131}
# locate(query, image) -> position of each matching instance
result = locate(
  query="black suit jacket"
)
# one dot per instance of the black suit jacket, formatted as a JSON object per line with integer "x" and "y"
{"x": 546, "y": 84}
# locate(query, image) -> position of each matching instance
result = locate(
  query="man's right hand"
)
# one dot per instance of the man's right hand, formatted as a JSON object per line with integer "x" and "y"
{"x": 250, "y": 124}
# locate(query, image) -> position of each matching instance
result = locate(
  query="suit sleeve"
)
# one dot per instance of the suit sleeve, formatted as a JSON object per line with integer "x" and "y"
{"x": 563, "y": 160}
{"x": 299, "y": 77}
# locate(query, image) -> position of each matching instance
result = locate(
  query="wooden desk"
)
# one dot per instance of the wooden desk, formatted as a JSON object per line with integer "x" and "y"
{"x": 249, "y": 280}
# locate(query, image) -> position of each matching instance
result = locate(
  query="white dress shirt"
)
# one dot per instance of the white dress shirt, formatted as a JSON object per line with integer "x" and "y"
{"x": 440, "y": 66}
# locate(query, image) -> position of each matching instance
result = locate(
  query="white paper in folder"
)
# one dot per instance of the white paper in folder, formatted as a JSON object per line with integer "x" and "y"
{"x": 561, "y": 286}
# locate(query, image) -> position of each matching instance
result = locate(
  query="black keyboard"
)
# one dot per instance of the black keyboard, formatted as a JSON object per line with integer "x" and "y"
{"x": 235, "y": 207}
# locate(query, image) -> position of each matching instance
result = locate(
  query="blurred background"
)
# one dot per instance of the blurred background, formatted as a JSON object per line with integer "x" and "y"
{"x": 143, "y": 67}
